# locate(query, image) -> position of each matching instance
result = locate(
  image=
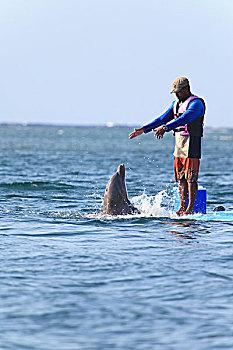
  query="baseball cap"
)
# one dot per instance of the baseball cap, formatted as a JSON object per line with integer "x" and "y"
{"x": 179, "y": 84}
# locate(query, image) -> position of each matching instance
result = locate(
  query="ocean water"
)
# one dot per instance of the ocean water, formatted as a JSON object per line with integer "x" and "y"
{"x": 73, "y": 278}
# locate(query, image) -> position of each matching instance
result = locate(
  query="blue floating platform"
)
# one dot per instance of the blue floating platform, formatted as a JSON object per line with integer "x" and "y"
{"x": 200, "y": 203}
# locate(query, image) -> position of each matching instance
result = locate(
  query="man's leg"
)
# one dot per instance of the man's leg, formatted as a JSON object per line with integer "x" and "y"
{"x": 192, "y": 188}
{"x": 183, "y": 192}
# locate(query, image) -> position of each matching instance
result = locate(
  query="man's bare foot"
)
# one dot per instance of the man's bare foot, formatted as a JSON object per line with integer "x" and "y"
{"x": 188, "y": 212}
{"x": 180, "y": 212}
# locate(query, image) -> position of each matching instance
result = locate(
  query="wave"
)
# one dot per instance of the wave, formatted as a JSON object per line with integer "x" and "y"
{"x": 37, "y": 185}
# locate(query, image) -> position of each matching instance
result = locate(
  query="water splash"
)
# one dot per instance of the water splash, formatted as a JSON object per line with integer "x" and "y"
{"x": 159, "y": 205}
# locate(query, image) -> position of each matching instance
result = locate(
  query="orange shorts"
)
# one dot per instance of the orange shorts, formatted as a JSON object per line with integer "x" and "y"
{"x": 186, "y": 168}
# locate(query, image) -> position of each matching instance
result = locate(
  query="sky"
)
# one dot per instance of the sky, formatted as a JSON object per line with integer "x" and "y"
{"x": 85, "y": 62}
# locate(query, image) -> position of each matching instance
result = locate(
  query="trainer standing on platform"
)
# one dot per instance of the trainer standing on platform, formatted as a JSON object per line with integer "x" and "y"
{"x": 185, "y": 117}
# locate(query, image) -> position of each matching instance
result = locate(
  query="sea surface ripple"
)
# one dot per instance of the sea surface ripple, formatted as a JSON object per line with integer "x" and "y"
{"x": 73, "y": 278}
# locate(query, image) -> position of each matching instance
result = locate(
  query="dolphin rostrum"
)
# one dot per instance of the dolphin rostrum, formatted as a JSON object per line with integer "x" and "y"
{"x": 116, "y": 200}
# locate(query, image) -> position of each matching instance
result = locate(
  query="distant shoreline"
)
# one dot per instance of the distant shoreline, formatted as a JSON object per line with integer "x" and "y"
{"x": 107, "y": 125}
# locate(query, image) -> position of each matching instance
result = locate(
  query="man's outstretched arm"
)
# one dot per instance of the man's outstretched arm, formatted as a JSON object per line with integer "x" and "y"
{"x": 163, "y": 119}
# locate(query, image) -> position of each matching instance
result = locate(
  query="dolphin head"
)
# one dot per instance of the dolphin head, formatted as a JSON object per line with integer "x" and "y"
{"x": 121, "y": 171}
{"x": 116, "y": 200}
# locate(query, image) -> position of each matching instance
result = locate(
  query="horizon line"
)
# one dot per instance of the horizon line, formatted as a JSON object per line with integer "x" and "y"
{"x": 107, "y": 125}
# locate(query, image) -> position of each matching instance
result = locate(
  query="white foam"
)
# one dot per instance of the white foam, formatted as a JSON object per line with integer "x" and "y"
{"x": 156, "y": 206}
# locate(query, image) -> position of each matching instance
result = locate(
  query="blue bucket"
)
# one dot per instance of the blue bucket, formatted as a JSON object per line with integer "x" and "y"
{"x": 200, "y": 203}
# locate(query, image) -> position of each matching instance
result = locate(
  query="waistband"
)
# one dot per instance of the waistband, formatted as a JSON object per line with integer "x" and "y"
{"x": 178, "y": 130}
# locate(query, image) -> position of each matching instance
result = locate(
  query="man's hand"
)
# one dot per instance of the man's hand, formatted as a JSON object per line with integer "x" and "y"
{"x": 136, "y": 132}
{"x": 159, "y": 132}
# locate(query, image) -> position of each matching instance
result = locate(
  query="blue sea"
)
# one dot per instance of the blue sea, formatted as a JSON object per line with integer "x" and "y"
{"x": 73, "y": 278}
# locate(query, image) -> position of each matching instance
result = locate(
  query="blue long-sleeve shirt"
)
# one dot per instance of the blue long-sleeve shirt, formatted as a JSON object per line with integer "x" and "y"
{"x": 195, "y": 109}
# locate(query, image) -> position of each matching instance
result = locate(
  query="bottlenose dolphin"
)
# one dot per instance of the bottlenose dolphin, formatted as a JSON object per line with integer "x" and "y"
{"x": 116, "y": 200}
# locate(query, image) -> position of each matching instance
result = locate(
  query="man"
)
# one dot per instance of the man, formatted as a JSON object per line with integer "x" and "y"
{"x": 185, "y": 117}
